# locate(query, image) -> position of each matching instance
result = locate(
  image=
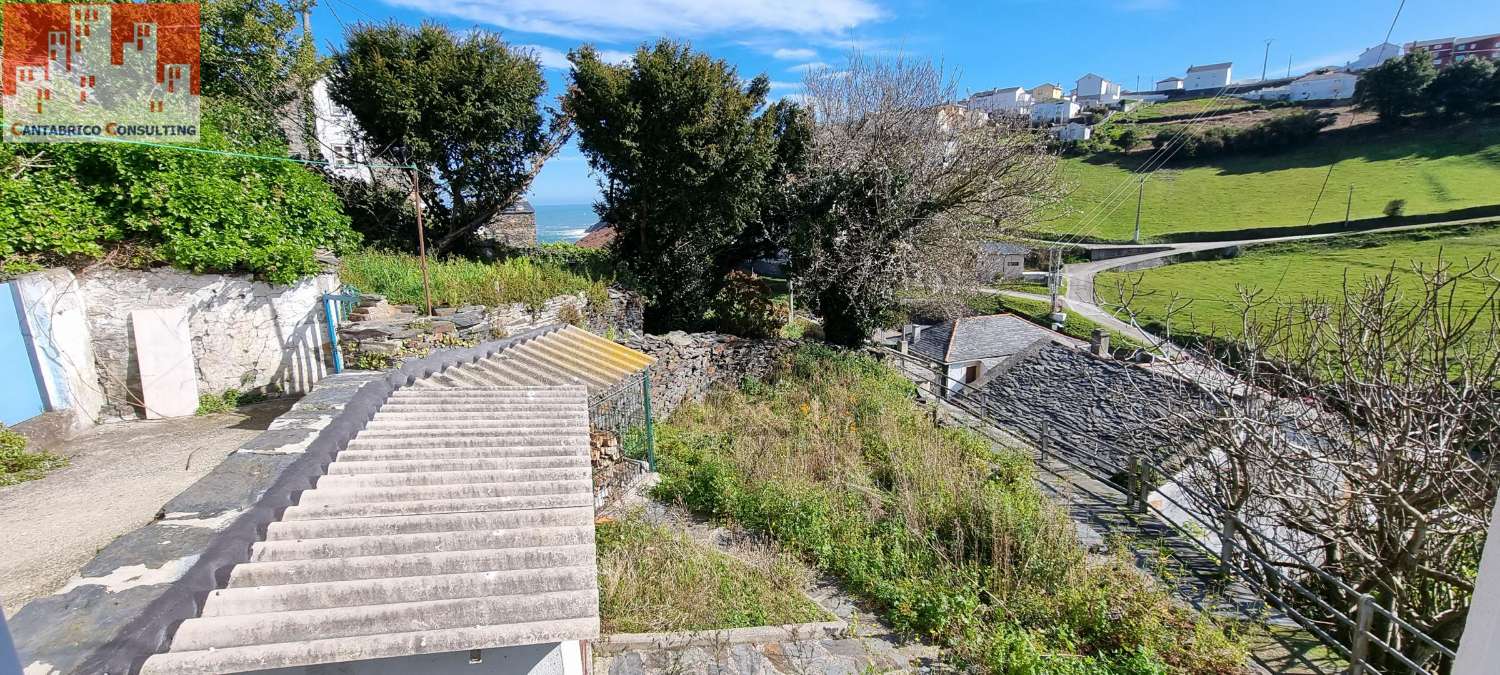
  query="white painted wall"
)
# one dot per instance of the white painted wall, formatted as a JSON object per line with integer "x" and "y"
{"x": 336, "y": 129}
{"x": 1207, "y": 79}
{"x": 1015, "y": 100}
{"x": 57, "y": 318}
{"x": 556, "y": 658}
{"x": 1054, "y": 112}
{"x": 1323, "y": 88}
{"x": 1479, "y": 649}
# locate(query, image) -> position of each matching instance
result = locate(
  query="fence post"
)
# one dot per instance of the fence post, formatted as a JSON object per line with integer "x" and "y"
{"x": 333, "y": 333}
{"x": 650, "y": 427}
{"x": 1045, "y": 434}
{"x": 1226, "y": 544}
{"x": 1359, "y": 648}
{"x": 1142, "y": 486}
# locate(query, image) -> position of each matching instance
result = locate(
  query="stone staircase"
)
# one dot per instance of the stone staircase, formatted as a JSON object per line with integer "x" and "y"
{"x": 460, "y": 517}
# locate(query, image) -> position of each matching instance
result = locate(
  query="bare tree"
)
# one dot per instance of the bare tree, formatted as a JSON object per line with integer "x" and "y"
{"x": 904, "y": 186}
{"x": 1356, "y": 437}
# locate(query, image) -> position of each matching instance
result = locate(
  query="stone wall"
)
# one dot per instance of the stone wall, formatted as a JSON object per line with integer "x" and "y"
{"x": 688, "y": 365}
{"x": 246, "y": 334}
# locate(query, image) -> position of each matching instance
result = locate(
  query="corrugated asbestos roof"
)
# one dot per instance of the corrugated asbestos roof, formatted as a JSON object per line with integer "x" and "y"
{"x": 567, "y": 356}
{"x": 461, "y": 517}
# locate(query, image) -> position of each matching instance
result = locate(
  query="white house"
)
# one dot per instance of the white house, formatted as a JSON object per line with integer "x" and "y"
{"x": 1169, "y": 84}
{"x": 1211, "y": 76}
{"x": 1053, "y": 112}
{"x": 1326, "y": 86}
{"x": 1094, "y": 88}
{"x": 1267, "y": 94}
{"x": 1013, "y": 100}
{"x": 1072, "y": 131}
{"x": 338, "y": 136}
{"x": 965, "y": 351}
{"x": 1374, "y": 56}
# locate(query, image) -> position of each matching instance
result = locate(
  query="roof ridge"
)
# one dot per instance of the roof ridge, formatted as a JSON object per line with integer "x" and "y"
{"x": 948, "y": 351}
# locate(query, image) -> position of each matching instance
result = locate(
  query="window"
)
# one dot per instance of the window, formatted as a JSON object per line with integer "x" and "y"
{"x": 343, "y": 155}
{"x": 1013, "y": 263}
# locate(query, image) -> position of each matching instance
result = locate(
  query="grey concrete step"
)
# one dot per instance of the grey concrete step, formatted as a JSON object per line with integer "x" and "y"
{"x": 324, "y": 595}
{"x": 427, "y": 407}
{"x": 580, "y": 471}
{"x": 344, "y": 468}
{"x": 333, "y": 650}
{"x": 354, "y": 459}
{"x": 257, "y": 629}
{"x": 447, "y": 522}
{"x": 444, "y": 425}
{"x": 332, "y": 551}
{"x": 493, "y": 393}
{"x": 427, "y": 563}
{"x": 364, "y": 506}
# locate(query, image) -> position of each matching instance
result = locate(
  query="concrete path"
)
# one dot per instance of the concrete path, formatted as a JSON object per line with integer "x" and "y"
{"x": 118, "y": 477}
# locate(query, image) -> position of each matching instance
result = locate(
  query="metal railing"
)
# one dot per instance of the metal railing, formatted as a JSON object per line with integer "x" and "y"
{"x": 1239, "y": 543}
{"x": 336, "y": 309}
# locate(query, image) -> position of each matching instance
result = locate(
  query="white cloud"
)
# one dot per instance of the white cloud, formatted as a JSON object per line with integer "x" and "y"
{"x": 550, "y": 58}
{"x": 606, "y": 19}
{"x": 616, "y": 56}
{"x": 786, "y": 54}
{"x": 814, "y": 65}
{"x": 778, "y": 85}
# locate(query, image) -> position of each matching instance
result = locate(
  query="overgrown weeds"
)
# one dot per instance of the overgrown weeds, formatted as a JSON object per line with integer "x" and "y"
{"x": 949, "y": 538}
{"x": 228, "y": 401}
{"x": 18, "y": 465}
{"x": 457, "y": 282}
{"x": 652, "y": 579}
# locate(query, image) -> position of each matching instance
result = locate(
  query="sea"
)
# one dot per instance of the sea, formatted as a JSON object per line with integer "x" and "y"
{"x": 563, "y": 222}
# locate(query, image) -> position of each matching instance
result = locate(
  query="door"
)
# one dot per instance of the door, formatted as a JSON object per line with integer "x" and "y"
{"x": 21, "y": 393}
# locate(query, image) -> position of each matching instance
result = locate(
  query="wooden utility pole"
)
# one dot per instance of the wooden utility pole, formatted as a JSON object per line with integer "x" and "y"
{"x": 1140, "y": 196}
{"x": 416, "y": 201}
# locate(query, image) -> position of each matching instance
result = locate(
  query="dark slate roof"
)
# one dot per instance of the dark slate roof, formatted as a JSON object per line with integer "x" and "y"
{"x": 1003, "y": 248}
{"x": 1099, "y": 411}
{"x": 1211, "y": 66}
{"x": 520, "y": 206}
{"x": 983, "y": 337}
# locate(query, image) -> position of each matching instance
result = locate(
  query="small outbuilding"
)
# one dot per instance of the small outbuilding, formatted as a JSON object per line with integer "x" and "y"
{"x": 1002, "y": 260}
{"x": 966, "y": 350}
{"x": 1325, "y": 86}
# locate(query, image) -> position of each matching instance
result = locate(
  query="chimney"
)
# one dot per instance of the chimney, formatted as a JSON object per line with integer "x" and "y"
{"x": 1099, "y": 344}
{"x": 916, "y": 332}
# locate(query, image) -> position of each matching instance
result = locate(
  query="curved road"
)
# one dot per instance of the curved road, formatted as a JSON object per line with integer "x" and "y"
{"x": 1080, "y": 296}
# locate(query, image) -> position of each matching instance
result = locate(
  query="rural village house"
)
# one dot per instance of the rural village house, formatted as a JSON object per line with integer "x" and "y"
{"x": 1169, "y": 84}
{"x": 1448, "y": 51}
{"x": 1212, "y": 76}
{"x": 968, "y": 348}
{"x": 1326, "y": 86}
{"x": 1002, "y": 260}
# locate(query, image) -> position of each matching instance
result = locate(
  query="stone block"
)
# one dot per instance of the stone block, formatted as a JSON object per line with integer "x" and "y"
{"x": 164, "y": 356}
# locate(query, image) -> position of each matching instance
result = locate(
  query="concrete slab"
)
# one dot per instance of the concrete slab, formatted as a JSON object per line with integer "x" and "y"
{"x": 164, "y": 352}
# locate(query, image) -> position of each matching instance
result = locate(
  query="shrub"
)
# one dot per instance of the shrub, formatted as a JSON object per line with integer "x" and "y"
{"x": 947, "y": 537}
{"x": 18, "y": 465}
{"x": 744, "y": 307}
{"x": 202, "y": 212}
{"x": 1268, "y": 136}
{"x": 1395, "y": 208}
{"x": 227, "y": 401}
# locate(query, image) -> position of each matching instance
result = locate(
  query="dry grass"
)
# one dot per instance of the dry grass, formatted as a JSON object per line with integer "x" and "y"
{"x": 652, "y": 579}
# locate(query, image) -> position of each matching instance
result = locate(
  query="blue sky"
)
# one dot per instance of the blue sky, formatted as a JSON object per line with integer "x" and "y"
{"x": 996, "y": 44}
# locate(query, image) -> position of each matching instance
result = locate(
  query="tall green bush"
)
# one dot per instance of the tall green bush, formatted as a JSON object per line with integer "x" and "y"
{"x": 78, "y": 202}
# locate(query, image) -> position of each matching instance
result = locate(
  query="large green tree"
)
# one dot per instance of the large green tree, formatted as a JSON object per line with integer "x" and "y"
{"x": 463, "y": 108}
{"x": 695, "y": 168}
{"x": 1462, "y": 89}
{"x": 1397, "y": 87}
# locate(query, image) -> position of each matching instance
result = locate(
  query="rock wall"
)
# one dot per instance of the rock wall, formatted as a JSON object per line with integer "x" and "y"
{"x": 689, "y": 364}
{"x": 246, "y": 334}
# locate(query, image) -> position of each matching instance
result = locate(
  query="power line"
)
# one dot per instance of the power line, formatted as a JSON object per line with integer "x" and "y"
{"x": 231, "y": 153}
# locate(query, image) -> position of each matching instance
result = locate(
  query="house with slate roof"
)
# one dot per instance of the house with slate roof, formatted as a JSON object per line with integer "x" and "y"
{"x": 968, "y": 350}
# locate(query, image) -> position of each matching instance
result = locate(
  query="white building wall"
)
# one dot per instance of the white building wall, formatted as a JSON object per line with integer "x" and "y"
{"x": 338, "y": 136}
{"x": 1208, "y": 79}
{"x": 56, "y": 317}
{"x": 1054, "y": 112}
{"x": 1324, "y": 89}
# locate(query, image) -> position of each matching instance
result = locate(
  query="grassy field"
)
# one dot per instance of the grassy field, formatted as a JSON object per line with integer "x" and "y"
{"x": 1434, "y": 169}
{"x": 1188, "y": 107}
{"x": 456, "y": 282}
{"x": 946, "y": 536}
{"x": 652, "y": 579}
{"x": 1039, "y": 312}
{"x": 1291, "y": 271}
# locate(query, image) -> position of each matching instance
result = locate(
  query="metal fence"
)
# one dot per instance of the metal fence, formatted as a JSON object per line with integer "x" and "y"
{"x": 625, "y": 411}
{"x": 1312, "y": 601}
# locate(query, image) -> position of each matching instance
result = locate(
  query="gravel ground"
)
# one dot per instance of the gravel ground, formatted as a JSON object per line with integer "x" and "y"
{"x": 118, "y": 477}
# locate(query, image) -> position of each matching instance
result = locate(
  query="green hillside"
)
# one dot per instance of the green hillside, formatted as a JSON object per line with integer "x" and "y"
{"x": 1291, "y": 271}
{"x": 1434, "y": 169}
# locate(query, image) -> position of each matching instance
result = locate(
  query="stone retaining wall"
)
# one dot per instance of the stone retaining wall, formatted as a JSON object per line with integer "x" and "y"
{"x": 689, "y": 364}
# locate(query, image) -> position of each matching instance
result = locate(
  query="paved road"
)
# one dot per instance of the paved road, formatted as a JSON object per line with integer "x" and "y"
{"x": 1082, "y": 298}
